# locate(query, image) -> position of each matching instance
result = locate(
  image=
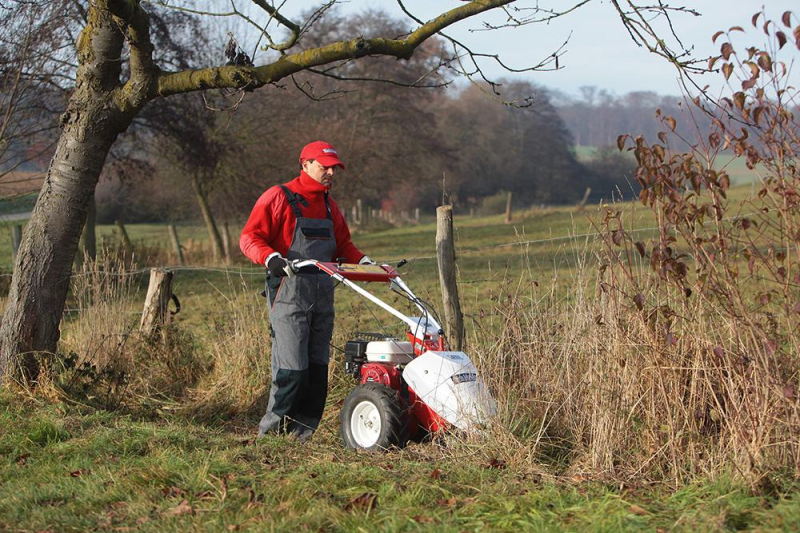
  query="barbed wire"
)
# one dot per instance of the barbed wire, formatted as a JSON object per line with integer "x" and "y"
{"x": 258, "y": 271}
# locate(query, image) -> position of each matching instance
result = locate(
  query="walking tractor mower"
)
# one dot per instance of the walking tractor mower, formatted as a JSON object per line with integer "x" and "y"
{"x": 405, "y": 387}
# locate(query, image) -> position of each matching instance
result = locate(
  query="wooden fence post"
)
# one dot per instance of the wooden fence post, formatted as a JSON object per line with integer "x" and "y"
{"x": 416, "y": 215}
{"x": 159, "y": 292}
{"x": 446, "y": 253}
{"x": 125, "y": 239}
{"x": 508, "y": 209}
{"x": 360, "y": 212}
{"x": 176, "y": 244}
{"x": 16, "y": 240}
{"x": 354, "y": 211}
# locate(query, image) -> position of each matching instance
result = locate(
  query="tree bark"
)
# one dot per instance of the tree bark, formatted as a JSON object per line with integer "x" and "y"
{"x": 89, "y": 236}
{"x": 208, "y": 216}
{"x": 43, "y": 266}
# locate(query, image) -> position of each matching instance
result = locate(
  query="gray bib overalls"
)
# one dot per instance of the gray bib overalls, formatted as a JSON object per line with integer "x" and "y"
{"x": 301, "y": 315}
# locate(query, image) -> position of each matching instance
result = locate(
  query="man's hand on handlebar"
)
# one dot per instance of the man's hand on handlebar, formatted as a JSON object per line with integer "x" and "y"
{"x": 279, "y": 267}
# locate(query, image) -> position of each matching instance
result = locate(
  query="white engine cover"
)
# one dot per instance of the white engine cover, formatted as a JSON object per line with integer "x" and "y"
{"x": 390, "y": 351}
{"x": 448, "y": 383}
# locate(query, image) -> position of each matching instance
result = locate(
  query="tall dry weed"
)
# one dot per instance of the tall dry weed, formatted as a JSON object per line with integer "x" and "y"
{"x": 685, "y": 361}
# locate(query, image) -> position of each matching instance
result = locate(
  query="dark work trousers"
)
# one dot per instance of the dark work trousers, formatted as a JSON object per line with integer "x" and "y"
{"x": 301, "y": 315}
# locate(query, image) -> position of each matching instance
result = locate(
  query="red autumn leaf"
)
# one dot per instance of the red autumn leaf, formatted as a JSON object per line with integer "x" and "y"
{"x": 496, "y": 463}
{"x": 22, "y": 460}
{"x": 781, "y": 39}
{"x": 436, "y": 474}
{"x": 787, "y": 19}
{"x": 738, "y": 100}
{"x": 671, "y": 122}
{"x": 765, "y": 62}
{"x": 76, "y": 473}
{"x": 365, "y": 502}
{"x": 716, "y": 36}
{"x": 621, "y": 141}
{"x": 718, "y": 351}
{"x": 727, "y": 70}
{"x": 640, "y": 248}
{"x": 754, "y": 20}
{"x": 748, "y": 84}
{"x": 617, "y": 236}
{"x": 726, "y": 50}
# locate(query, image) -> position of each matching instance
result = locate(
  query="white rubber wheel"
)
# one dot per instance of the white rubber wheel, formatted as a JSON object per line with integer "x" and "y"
{"x": 373, "y": 418}
{"x": 365, "y": 424}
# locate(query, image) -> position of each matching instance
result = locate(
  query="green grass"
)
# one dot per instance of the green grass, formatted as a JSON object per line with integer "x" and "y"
{"x": 69, "y": 468}
{"x": 65, "y": 466}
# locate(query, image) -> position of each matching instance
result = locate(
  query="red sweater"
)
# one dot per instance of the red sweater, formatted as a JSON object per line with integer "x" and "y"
{"x": 270, "y": 227}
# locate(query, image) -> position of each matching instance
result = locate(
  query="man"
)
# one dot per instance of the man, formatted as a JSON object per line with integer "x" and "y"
{"x": 298, "y": 220}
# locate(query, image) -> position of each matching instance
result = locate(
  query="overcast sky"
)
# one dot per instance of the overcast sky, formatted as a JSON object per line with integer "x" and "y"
{"x": 599, "y": 51}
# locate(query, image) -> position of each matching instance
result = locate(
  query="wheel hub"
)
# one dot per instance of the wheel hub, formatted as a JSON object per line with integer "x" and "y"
{"x": 365, "y": 424}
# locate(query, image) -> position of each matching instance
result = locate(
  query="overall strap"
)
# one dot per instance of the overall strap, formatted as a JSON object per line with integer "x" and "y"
{"x": 328, "y": 208}
{"x": 293, "y": 200}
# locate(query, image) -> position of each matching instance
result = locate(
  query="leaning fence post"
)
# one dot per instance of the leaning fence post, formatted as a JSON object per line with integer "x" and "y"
{"x": 176, "y": 244}
{"x": 508, "y": 209}
{"x": 446, "y": 253}
{"x": 159, "y": 292}
{"x": 16, "y": 239}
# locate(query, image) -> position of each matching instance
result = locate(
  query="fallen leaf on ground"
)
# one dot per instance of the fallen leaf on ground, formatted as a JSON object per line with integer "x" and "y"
{"x": 422, "y": 519}
{"x": 22, "y": 460}
{"x": 172, "y": 492}
{"x": 181, "y": 508}
{"x": 635, "y": 509}
{"x": 449, "y": 502}
{"x": 366, "y": 502}
{"x": 76, "y": 473}
{"x": 496, "y": 463}
{"x": 436, "y": 474}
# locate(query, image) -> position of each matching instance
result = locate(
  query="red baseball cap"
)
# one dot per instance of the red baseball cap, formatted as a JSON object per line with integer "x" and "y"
{"x": 322, "y": 152}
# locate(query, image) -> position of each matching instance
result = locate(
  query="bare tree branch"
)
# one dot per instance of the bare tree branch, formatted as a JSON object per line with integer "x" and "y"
{"x": 252, "y": 77}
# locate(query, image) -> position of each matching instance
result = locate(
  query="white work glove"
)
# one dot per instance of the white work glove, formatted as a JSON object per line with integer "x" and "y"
{"x": 366, "y": 261}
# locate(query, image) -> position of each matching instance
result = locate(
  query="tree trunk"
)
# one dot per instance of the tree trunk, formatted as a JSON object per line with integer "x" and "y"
{"x": 211, "y": 226}
{"x": 42, "y": 269}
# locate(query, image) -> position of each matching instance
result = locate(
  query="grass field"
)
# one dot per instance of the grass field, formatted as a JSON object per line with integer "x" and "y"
{"x": 177, "y": 454}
